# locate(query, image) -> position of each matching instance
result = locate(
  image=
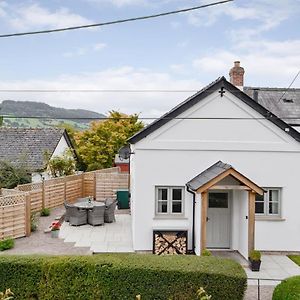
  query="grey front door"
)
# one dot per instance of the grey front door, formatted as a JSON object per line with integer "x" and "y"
{"x": 218, "y": 220}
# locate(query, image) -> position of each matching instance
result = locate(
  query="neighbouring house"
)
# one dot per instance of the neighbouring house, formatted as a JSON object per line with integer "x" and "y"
{"x": 220, "y": 167}
{"x": 30, "y": 146}
{"x": 122, "y": 163}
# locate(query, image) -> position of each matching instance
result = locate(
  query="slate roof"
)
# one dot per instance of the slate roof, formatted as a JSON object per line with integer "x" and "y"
{"x": 221, "y": 82}
{"x": 207, "y": 175}
{"x": 28, "y": 145}
{"x": 288, "y": 108}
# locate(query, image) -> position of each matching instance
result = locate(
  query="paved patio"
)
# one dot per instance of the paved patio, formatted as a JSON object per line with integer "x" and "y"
{"x": 111, "y": 237}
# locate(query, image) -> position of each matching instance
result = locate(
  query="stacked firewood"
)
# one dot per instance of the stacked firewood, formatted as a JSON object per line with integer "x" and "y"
{"x": 170, "y": 242}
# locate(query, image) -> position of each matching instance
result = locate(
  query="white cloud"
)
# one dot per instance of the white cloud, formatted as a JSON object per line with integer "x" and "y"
{"x": 149, "y": 104}
{"x": 99, "y": 46}
{"x": 267, "y": 13}
{"x": 120, "y": 3}
{"x": 24, "y": 17}
{"x": 266, "y": 62}
{"x": 80, "y": 51}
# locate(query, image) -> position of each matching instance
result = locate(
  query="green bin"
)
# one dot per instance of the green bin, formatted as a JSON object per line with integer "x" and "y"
{"x": 123, "y": 199}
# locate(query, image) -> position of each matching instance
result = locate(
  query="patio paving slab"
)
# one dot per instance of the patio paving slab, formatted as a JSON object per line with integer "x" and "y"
{"x": 273, "y": 267}
{"x": 107, "y": 238}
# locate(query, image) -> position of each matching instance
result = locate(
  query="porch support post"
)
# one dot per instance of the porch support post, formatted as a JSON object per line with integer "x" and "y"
{"x": 204, "y": 197}
{"x": 251, "y": 221}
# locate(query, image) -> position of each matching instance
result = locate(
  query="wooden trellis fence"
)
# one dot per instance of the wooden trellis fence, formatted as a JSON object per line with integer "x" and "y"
{"x": 16, "y": 205}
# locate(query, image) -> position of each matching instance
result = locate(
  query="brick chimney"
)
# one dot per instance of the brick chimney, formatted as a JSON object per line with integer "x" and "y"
{"x": 237, "y": 75}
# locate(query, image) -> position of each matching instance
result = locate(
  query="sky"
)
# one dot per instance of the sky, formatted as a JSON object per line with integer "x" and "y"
{"x": 180, "y": 52}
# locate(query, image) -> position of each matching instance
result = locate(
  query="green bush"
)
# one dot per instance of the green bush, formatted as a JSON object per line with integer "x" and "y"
{"x": 206, "y": 252}
{"x": 45, "y": 212}
{"x": 255, "y": 255}
{"x": 33, "y": 222}
{"x": 288, "y": 289}
{"x": 6, "y": 244}
{"x": 122, "y": 276}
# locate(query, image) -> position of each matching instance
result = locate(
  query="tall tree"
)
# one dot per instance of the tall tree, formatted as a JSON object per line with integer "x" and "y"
{"x": 98, "y": 145}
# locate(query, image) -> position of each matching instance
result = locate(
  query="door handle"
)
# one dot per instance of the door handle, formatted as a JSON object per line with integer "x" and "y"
{"x": 207, "y": 219}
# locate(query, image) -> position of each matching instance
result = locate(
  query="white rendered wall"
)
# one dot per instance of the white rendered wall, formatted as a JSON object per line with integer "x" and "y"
{"x": 181, "y": 149}
{"x": 61, "y": 147}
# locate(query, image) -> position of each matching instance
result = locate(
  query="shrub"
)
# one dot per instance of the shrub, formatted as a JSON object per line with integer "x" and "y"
{"x": 288, "y": 289}
{"x": 122, "y": 276}
{"x": 33, "y": 222}
{"x": 255, "y": 255}
{"x": 6, "y": 244}
{"x": 206, "y": 252}
{"x": 45, "y": 212}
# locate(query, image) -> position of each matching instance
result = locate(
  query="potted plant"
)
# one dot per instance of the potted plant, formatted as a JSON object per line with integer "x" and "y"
{"x": 55, "y": 226}
{"x": 255, "y": 261}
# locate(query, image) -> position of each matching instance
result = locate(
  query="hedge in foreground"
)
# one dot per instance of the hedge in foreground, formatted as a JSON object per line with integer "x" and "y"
{"x": 288, "y": 289}
{"x": 121, "y": 276}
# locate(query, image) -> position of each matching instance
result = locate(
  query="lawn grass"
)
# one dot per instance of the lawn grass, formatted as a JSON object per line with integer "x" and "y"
{"x": 295, "y": 259}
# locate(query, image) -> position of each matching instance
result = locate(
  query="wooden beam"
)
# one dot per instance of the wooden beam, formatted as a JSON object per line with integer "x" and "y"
{"x": 251, "y": 221}
{"x": 230, "y": 187}
{"x": 236, "y": 175}
{"x": 204, "y": 203}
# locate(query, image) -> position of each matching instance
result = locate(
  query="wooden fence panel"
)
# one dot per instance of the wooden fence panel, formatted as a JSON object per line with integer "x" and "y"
{"x": 14, "y": 216}
{"x": 73, "y": 189}
{"x": 54, "y": 192}
{"x": 108, "y": 184}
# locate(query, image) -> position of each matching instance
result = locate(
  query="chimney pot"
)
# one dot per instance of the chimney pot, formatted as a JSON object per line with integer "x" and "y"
{"x": 237, "y": 75}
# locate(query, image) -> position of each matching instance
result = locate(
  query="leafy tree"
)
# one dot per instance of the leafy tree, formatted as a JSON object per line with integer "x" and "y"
{"x": 62, "y": 165}
{"x": 99, "y": 144}
{"x": 11, "y": 176}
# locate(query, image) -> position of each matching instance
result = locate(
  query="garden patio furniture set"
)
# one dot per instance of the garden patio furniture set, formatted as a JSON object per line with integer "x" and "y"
{"x": 87, "y": 211}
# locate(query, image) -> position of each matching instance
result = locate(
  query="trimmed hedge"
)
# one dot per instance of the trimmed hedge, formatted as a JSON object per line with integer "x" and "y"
{"x": 288, "y": 289}
{"x": 121, "y": 276}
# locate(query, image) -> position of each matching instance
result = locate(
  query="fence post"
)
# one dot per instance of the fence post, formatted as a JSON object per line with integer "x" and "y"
{"x": 95, "y": 184}
{"x": 43, "y": 193}
{"x": 27, "y": 214}
{"x": 82, "y": 185}
{"x": 65, "y": 189}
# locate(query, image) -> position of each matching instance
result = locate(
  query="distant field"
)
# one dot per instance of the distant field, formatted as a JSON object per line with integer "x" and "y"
{"x": 42, "y": 123}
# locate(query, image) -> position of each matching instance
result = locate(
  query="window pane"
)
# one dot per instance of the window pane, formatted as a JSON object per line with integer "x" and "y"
{"x": 218, "y": 200}
{"x": 273, "y": 208}
{"x": 259, "y": 207}
{"x": 162, "y": 206}
{"x": 162, "y": 194}
{"x": 273, "y": 195}
{"x": 176, "y": 207}
{"x": 176, "y": 194}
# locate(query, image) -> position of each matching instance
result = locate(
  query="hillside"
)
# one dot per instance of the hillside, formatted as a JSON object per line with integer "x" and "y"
{"x": 37, "y": 109}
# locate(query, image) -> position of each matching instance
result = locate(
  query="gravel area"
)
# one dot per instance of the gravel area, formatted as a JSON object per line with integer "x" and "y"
{"x": 42, "y": 243}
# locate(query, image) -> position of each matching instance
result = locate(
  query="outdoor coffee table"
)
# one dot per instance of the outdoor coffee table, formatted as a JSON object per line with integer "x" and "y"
{"x": 88, "y": 205}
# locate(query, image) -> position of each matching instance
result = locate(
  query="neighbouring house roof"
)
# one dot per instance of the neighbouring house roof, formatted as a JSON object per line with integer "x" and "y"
{"x": 28, "y": 145}
{"x": 213, "y": 175}
{"x": 282, "y": 102}
{"x": 202, "y": 94}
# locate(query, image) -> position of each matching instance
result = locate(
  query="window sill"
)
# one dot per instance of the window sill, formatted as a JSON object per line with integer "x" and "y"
{"x": 269, "y": 218}
{"x": 170, "y": 217}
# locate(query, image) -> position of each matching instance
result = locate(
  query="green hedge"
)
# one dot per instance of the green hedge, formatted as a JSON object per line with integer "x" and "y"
{"x": 288, "y": 289}
{"x": 121, "y": 276}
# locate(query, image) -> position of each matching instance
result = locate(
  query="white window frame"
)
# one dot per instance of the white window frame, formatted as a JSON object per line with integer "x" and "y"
{"x": 267, "y": 201}
{"x": 169, "y": 201}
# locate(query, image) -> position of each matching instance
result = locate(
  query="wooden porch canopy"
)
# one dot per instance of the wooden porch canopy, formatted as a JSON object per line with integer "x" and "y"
{"x": 209, "y": 179}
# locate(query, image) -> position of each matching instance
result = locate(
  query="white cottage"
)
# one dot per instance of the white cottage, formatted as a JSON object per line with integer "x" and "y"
{"x": 223, "y": 169}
